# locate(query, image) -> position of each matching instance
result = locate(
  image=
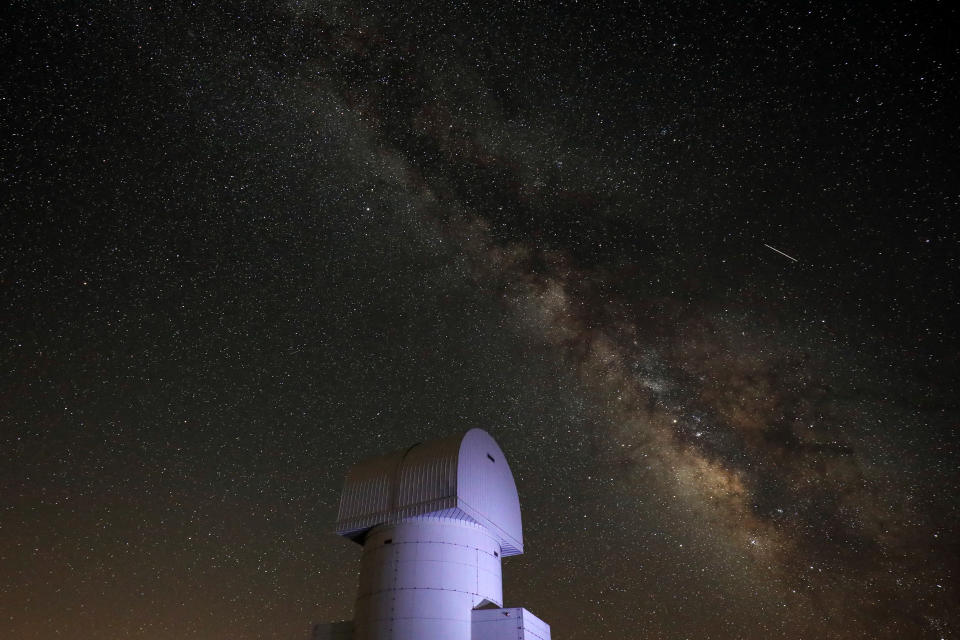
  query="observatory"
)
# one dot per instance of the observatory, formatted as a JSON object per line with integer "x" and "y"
{"x": 434, "y": 521}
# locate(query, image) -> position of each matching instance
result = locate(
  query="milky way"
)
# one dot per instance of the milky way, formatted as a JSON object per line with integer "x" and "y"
{"x": 249, "y": 245}
{"x": 725, "y": 412}
{"x": 732, "y": 420}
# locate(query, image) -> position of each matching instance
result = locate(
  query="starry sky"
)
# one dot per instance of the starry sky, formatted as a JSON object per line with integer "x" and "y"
{"x": 245, "y": 244}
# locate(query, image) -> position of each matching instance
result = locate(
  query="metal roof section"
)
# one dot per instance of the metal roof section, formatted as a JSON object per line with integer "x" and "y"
{"x": 464, "y": 476}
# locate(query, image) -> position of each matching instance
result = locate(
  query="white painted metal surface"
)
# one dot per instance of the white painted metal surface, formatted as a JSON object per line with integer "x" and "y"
{"x": 486, "y": 490}
{"x": 464, "y": 476}
{"x": 508, "y": 624}
{"x": 420, "y": 579}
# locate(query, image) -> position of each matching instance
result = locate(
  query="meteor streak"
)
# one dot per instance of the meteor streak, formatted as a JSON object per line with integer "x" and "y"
{"x": 780, "y": 252}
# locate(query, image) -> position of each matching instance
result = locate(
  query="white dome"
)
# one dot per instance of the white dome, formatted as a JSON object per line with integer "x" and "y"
{"x": 464, "y": 476}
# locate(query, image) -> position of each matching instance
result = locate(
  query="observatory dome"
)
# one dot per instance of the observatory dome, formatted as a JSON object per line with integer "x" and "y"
{"x": 464, "y": 476}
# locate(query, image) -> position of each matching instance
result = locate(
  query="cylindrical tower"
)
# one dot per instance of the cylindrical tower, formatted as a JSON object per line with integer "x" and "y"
{"x": 422, "y": 578}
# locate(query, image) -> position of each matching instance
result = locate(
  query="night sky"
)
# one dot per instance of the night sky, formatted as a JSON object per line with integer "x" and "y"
{"x": 244, "y": 245}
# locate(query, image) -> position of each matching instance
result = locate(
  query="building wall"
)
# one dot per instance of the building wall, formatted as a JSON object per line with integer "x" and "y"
{"x": 420, "y": 580}
{"x": 508, "y": 624}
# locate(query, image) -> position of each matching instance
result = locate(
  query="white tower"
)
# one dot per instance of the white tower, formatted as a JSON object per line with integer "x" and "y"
{"x": 434, "y": 521}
